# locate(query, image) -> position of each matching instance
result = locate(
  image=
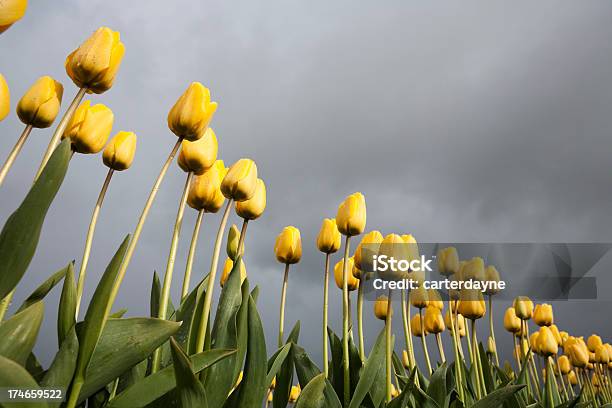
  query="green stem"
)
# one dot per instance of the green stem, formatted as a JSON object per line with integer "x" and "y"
{"x": 424, "y": 343}
{"x": 243, "y": 231}
{"x": 456, "y": 337}
{"x": 89, "y": 240}
{"x": 325, "y": 308}
{"x": 75, "y": 391}
{"x": 345, "y": 325}
{"x": 14, "y": 152}
{"x": 440, "y": 348}
{"x": 549, "y": 391}
{"x": 59, "y": 130}
{"x": 476, "y": 362}
{"x": 191, "y": 256}
{"x": 201, "y": 337}
{"x": 162, "y": 312}
{"x": 281, "y": 318}
{"x": 492, "y": 329}
{"x": 143, "y": 217}
{"x": 362, "y": 355}
{"x": 406, "y": 326}
{"x": 388, "y": 353}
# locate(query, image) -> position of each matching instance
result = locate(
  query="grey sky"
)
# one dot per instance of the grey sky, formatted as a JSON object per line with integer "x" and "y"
{"x": 468, "y": 121}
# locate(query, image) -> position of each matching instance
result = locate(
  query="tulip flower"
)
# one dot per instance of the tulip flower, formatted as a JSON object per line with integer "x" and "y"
{"x": 227, "y": 268}
{"x": 288, "y": 250}
{"x": 118, "y": 155}
{"x": 572, "y": 378}
{"x": 473, "y": 269}
{"x": 564, "y": 365}
{"x": 523, "y": 307}
{"x": 351, "y": 217}
{"x": 89, "y": 128}
{"x": 36, "y": 109}
{"x": 250, "y": 210}
{"x": 448, "y": 261}
{"x": 191, "y": 114}
{"x": 11, "y": 11}
{"x": 328, "y": 242}
{"x": 578, "y": 355}
{"x": 5, "y": 98}
{"x": 511, "y": 322}
{"x": 594, "y": 342}
{"x": 240, "y": 182}
{"x": 199, "y": 155}
{"x": 233, "y": 237}
{"x": 543, "y": 315}
{"x": 353, "y": 282}
{"x": 546, "y": 343}
{"x": 434, "y": 323}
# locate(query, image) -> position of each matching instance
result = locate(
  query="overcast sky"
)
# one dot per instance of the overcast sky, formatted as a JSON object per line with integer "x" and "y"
{"x": 468, "y": 121}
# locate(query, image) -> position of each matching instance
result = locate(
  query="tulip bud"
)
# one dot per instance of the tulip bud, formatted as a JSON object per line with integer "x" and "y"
{"x": 578, "y": 355}
{"x": 547, "y": 345}
{"x": 564, "y": 365}
{"x": 89, "y": 127}
{"x": 363, "y": 256}
{"x": 10, "y": 12}
{"x": 415, "y": 326}
{"x": 601, "y": 355}
{"x": 523, "y": 307}
{"x": 394, "y": 391}
{"x": 240, "y": 181}
{"x": 119, "y": 152}
{"x": 380, "y": 308}
{"x": 511, "y": 322}
{"x": 571, "y": 376}
{"x": 473, "y": 269}
{"x": 192, "y": 112}
{"x": 351, "y": 217}
{"x": 434, "y": 323}
{"x": 199, "y": 155}
{"x": 295, "y": 393}
{"x": 491, "y": 346}
{"x": 392, "y": 246}
{"x": 233, "y": 238}
{"x": 41, "y": 103}
{"x": 288, "y": 246}
{"x": 471, "y": 304}
{"x": 252, "y": 208}
{"x": 328, "y": 240}
{"x": 533, "y": 342}
{"x": 543, "y": 315}
{"x": 5, "y": 97}
{"x": 405, "y": 359}
{"x": 352, "y": 282}
{"x": 227, "y": 269}
{"x": 434, "y": 299}
{"x": 593, "y": 342}
{"x": 419, "y": 297}
{"x": 205, "y": 191}
{"x": 492, "y": 275}
{"x": 459, "y": 323}
{"x": 95, "y": 63}
{"x": 448, "y": 261}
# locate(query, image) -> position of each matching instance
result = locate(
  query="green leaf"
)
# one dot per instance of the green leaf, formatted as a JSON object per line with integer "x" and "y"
{"x": 190, "y": 311}
{"x": 59, "y": 374}
{"x": 242, "y": 328}
{"x": 34, "y": 367}
{"x": 253, "y": 387}
{"x": 19, "y": 333}
{"x": 123, "y": 344}
{"x": 373, "y": 365}
{"x": 437, "y": 386}
{"x": 95, "y": 318}
{"x": 498, "y": 397}
{"x": 314, "y": 395}
{"x": 155, "y": 295}
{"x": 486, "y": 369}
{"x": 12, "y": 375}
{"x": 162, "y": 382}
{"x": 276, "y": 361}
{"x": 21, "y": 232}
{"x": 42, "y": 291}
{"x": 67, "y": 306}
{"x": 189, "y": 390}
{"x": 307, "y": 371}
{"x": 284, "y": 378}
{"x": 255, "y": 293}
{"x": 118, "y": 314}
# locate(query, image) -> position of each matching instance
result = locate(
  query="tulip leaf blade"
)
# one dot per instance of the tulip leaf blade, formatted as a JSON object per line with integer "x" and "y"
{"x": 189, "y": 390}
{"x": 498, "y": 396}
{"x": 12, "y": 375}
{"x": 315, "y": 394}
{"x": 284, "y": 378}
{"x": 67, "y": 305}
{"x": 21, "y": 232}
{"x": 59, "y": 374}
{"x": 21, "y": 330}
{"x": 44, "y": 288}
{"x": 370, "y": 371}
{"x": 276, "y": 361}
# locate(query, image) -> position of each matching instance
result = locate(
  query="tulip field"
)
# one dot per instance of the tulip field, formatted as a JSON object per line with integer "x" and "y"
{"x": 207, "y": 348}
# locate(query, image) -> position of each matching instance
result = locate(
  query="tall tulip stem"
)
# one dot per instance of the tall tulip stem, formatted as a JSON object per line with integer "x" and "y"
{"x": 165, "y": 293}
{"x": 492, "y": 329}
{"x": 549, "y": 390}
{"x": 362, "y": 355}
{"x": 345, "y": 324}
{"x": 191, "y": 256}
{"x": 281, "y": 318}
{"x": 424, "y": 343}
{"x": 456, "y": 337}
{"x": 475, "y": 362}
{"x": 88, "y": 241}
{"x": 388, "y": 346}
{"x": 440, "y": 348}
{"x": 325, "y": 308}
{"x": 59, "y": 130}
{"x": 15, "y": 152}
{"x": 405, "y": 324}
{"x": 243, "y": 232}
{"x": 143, "y": 217}
{"x": 211, "y": 279}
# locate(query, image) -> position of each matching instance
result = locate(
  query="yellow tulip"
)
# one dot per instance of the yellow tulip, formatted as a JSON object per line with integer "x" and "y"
{"x": 523, "y": 307}
{"x": 434, "y": 299}
{"x": 5, "y": 98}
{"x": 329, "y": 238}
{"x": 254, "y": 207}
{"x": 492, "y": 275}
{"x": 473, "y": 269}
{"x": 351, "y": 217}
{"x": 491, "y": 348}
{"x": 578, "y": 355}
{"x": 393, "y": 246}
{"x": 119, "y": 152}
{"x": 543, "y": 315}
{"x": 511, "y": 322}
{"x": 419, "y": 297}
{"x": 564, "y": 365}
{"x": 394, "y": 391}
{"x": 363, "y": 257}
{"x": 601, "y": 355}
{"x": 448, "y": 261}
{"x": 573, "y": 380}
{"x": 556, "y": 334}
{"x": 471, "y": 304}
{"x": 533, "y": 342}
{"x": 564, "y": 336}
{"x": 380, "y": 308}
{"x": 191, "y": 114}
{"x": 205, "y": 191}
{"x": 95, "y": 63}
{"x": 593, "y": 342}
{"x": 89, "y": 127}
{"x": 288, "y": 246}
{"x": 199, "y": 155}
{"x": 11, "y": 11}
{"x": 233, "y": 238}
{"x": 227, "y": 268}
{"x": 547, "y": 344}
{"x": 353, "y": 282}
{"x": 240, "y": 182}
{"x": 41, "y": 103}
{"x": 295, "y": 393}
{"x": 412, "y": 252}
{"x": 459, "y": 323}
{"x": 415, "y": 326}
{"x": 434, "y": 323}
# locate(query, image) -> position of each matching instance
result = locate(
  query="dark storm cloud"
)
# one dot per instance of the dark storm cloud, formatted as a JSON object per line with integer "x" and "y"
{"x": 468, "y": 121}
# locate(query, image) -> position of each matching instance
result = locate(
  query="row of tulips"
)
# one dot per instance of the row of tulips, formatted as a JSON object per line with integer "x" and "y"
{"x": 189, "y": 356}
